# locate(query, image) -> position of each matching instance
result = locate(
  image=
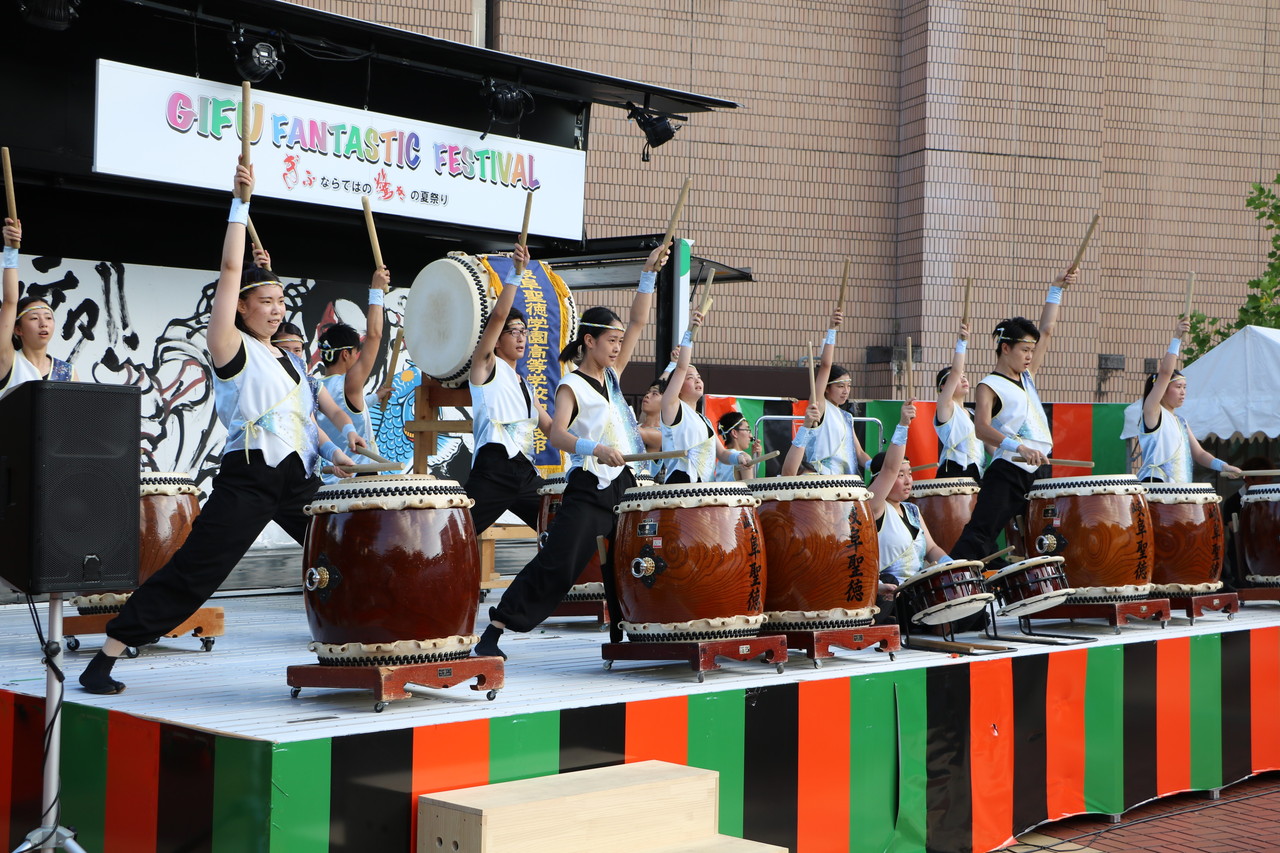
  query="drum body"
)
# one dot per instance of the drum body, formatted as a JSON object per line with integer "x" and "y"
{"x": 822, "y": 552}
{"x": 391, "y": 571}
{"x": 941, "y": 594}
{"x": 590, "y": 583}
{"x": 1102, "y": 526}
{"x": 1260, "y": 528}
{"x": 449, "y": 305}
{"x": 689, "y": 562}
{"x": 1187, "y": 522}
{"x": 946, "y": 504}
{"x": 1029, "y": 586}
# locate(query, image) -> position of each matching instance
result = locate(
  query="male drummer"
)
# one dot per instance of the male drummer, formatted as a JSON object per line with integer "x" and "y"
{"x": 1010, "y": 420}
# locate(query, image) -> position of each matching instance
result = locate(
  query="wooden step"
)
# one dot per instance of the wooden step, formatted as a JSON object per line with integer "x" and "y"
{"x": 718, "y": 844}
{"x": 637, "y": 807}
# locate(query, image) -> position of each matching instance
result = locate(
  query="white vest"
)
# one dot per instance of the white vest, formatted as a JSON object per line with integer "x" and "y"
{"x": 608, "y": 422}
{"x": 959, "y": 440}
{"x": 335, "y": 384}
{"x": 502, "y": 413}
{"x": 22, "y": 371}
{"x": 830, "y": 449}
{"x": 1166, "y": 450}
{"x": 901, "y": 554}
{"x": 695, "y": 435}
{"x": 263, "y": 409}
{"x": 1021, "y": 416}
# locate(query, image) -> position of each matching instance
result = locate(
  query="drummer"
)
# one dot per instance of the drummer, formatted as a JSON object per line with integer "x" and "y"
{"x": 506, "y": 413}
{"x": 1011, "y": 420}
{"x": 595, "y": 425}
{"x": 288, "y": 337}
{"x": 14, "y": 369}
{"x": 686, "y": 428}
{"x": 33, "y": 328}
{"x": 735, "y": 433}
{"x": 962, "y": 453}
{"x": 827, "y": 442}
{"x": 651, "y": 418}
{"x": 265, "y": 404}
{"x": 1166, "y": 443}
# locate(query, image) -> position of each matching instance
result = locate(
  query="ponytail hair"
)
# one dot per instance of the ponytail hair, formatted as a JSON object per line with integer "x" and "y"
{"x": 593, "y": 322}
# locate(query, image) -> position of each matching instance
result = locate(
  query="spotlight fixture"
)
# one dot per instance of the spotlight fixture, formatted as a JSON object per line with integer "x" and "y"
{"x": 507, "y": 104}
{"x": 254, "y": 61}
{"x": 48, "y": 14}
{"x": 657, "y": 128}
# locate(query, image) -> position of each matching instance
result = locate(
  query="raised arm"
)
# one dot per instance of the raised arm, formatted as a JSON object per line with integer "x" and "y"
{"x": 671, "y": 396}
{"x": 823, "y": 374}
{"x": 9, "y": 305}
{"x": 358, "y": 375}
{"x": 482, "y": 358}
{"x": 640, "y": 307}
{"x": 1049, "y": 317}
{"x": 222, "y": 338}
{"x": 947, "y": 394}
{"x": 882, "y": 485}
{"x": 1164, "y": 374}
{"x": 795, "y": 454}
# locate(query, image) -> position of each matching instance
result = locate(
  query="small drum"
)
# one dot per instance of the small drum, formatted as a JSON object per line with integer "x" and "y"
{"x": 1260, "y": 528}
{"x": 1029, "y": 586}
{"x": 449, "y": 304}
{"x": 391, "y": 571}
{"x": 944, "y": 593}
{"x": 946, "y": 504}
{"x": 1187, "y": 520}
{"x": 823, "y": 552}
{"x": 1102, "y": 526}
{"x": 168, "y": 505}
{"x": 689, "y": 563}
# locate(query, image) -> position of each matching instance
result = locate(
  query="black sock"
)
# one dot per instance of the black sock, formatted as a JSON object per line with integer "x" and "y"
{"x": 488, "y": 645}
{"x": 96, "y": 677}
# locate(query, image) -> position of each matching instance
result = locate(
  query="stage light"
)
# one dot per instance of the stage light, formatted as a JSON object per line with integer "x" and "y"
{"x": 49, "y": 14}
{"x": 254, "y": 61}
{"x": 658, "y": 130}
{"x": 507, "y": 104}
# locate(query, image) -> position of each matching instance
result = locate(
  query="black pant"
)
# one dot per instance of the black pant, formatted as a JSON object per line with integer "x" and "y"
{"x": 952, "y": 468}
{"x": 1003, "y": 495}
{"x": 585, "y": 513}
{"x": 246, "y": 495}
{"x": 498, "y": 484}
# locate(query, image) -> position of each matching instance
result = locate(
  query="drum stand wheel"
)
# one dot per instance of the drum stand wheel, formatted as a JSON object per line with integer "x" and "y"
{"x": 702, "y": 654}
{"x": 817, "y": 644}
{"x": 1117, "y": 613}
{"x": 205, "y": 624}
{"x": 1196, "y": 605}
{"x": 390, "y": 683}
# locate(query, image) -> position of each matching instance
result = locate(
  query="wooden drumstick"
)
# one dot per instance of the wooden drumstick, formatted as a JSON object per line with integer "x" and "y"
{"x": 659, "y": 454}
{"x": 246, "y": 94}
{"x": 924, "y": 467}
{"x": 364, "y": 467}
{"x": 844, "y": 283}
{"x": 253, "y": 239}
{"x": 1262, "y": 472}
{"x": 11, "y": 197}
{"x": 675, "y": 214}
{"x": 813, "y": 382}
{"x": 602, "y": 548}
{"x": 1084, "y": 244}
{"x": 705, "y": 306}
{"x": 369, "y": 453}
{"x": 997, "y": 555}
{"x": 968, "y": 290}
{"x": 373, "y": 233}
{"x": 1191, "y": 287}
{"x": 391, "y": 365}
{"x": 751, "y": 463}
{"x": 1066, "y": 463}
{"x": 528, "y": 208}
{"x": 911, "y": 382}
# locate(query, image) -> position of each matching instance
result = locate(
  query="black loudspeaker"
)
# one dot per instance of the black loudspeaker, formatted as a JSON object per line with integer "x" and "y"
{"x": 69, "y": 463}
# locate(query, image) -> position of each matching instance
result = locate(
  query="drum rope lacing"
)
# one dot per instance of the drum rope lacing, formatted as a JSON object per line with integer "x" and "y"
{"x": 786, "y": 483}
{"x": 694, "y": 636}
{"x": 397, "y": 660}
{"x": 388, "y": 492}
{"x": 483, "y": 291}
{"x": 169, "y": 480}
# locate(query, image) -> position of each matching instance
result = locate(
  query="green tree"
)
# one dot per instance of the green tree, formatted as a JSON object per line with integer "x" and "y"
{"x": 1262, "y": 306}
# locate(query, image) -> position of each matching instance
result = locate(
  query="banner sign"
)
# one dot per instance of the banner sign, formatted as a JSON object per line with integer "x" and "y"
{"x": 186, "y": 130}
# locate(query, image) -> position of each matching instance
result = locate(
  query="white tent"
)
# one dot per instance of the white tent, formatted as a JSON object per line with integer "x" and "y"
{"x": 1232, "y": 390}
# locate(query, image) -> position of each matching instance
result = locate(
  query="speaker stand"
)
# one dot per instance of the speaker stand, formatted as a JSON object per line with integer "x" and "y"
{"x": 52, "y": 836}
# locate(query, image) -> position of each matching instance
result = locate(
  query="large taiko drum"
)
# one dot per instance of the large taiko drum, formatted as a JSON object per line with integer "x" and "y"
{"x": 1102, "y": 526}
{"x": 822, "y": 549}
{"x": 391, "y": 571}
{"x": 448, "y": 304}
{"x": 946, "y": 503}
{"x": 168, "y": 503}
{"x": 1260, "y": 528}
{"x": 1029, "y": 586}
{"x": 689, "y": 562}
{"x": 1187, "y": 521}
{"x": 942, "y": 593}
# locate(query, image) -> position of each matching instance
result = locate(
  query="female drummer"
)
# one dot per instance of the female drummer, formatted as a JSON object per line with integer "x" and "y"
{"x": 651, "y": 418}
{"x": 1166, "y": 443}
{"x": 828, "y": 442}
{"x": 264, "y": 401}
{"x": 288, "y": 337}
{"x": 14, "y": 369}
{"x": 961, "y": 454}
{"x": 594, "y": 424}
{"x": 685, "y": 428}
{"x": 735, "y": 433}
{"x": 506, "y": 413}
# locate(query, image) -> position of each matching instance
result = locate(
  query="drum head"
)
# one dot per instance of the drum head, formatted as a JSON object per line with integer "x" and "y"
{"x": 445, "y": 315}
{"x": 974, "y": 566}
{"x": 1260, "y": 494}
{"x": 944, "y": 486}
{"x": 1035, "y": 603}
{"x": 1103, "y": 484}
{"x": 950, "y": 611}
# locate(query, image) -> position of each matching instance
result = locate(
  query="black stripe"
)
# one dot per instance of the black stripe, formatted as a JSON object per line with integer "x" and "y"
{"x": 370, "y": 790}
{"x": 770, "y": 764}
{"x": 25, "y": 776}
{"x": 1140, "y": 745}
{"x": 948, "y": 792}
{"x": 184, "y": 807}
{"x": 1237, "y": 705}
{"x": 1030, "y": 758}
{"x": 593, "y": 737}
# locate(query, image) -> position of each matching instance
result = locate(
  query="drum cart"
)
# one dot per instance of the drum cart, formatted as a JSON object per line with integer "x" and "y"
{"x": 817, "y": 644}
{"x": 1196, "y": 605}
{"x": 205, "y": 624}
{"x": 701, "y": 654}
{"x": 390, "y": 683}
{"x": 1116, "y": 613}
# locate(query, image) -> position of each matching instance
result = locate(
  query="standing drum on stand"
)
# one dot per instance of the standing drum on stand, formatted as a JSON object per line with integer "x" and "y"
{"x": 1187, "y": 519}
{"x": 1260, "y": 522}
{"x": 449, "y": 304}
{"x": 946, "y": 503}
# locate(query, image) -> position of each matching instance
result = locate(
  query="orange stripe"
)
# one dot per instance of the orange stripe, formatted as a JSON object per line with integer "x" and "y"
{"x": 448, "y": 756}
{"x": 1173, "y": 716}
{"x": 1064, "y": 738}
{"x": 991, "y": 743}
{"x": 7, "y": 735}
{"x": 1264, "y": 692}
{"x": 922, "y": 441}
{"x": 133, "y": 778}
{"x": 658, "y": 730}
{"x": 822, "y": 766}
{"x": 1072, "y": 436}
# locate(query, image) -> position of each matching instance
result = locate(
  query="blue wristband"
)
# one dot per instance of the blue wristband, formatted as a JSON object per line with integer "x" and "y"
{"x": 239, "y": 212}
{"x": 671, "y": 365}
{"x": 585, "y": 446}
{"x": 1175, "y": 346}
{"x": 1010, "y": 445}
{"x": 687, "y": 340}
{"x": 1054, "y": 296}
{"x": 801, "y": 438}
{"x": 744, "y": 458}
{"x": 514, "y": 277}
{"x": 10, "y": 258}
{"x": 945, "y": 559}
{"x": 1217, "y": 464}
{"x": 648, "y": 281}
{"x": 327, "y": 450}
{"x": 961, "y": 346}
{"x": 348, "y": 428}
{"x": 900, "y": 435}
{"x": 376, "y": 296}
{"x": 830, "y": 339}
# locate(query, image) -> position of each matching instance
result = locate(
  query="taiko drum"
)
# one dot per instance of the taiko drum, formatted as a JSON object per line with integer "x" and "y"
{"x": 946, "y": 503}
{"x": 942, "y": 593}
{"x": 552, "y": 494}
{"x": 1029, "y": 586}
{"x": 1260, "y": 529}
{"x": 1187, "y": 522}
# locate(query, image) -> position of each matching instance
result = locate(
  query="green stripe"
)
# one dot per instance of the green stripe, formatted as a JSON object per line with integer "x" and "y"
{"x": 717, "y": 729}
{"x": 683, "y": 251}
{"x": 888, "y": 412}
{"x": 300, "y": 774}
{"x": 1104, "y": 731}
{"x": 83, "y": 765}
{"x": 1110, "y": 456}
{"x": 241, "y": 795}
{"x": 1206, "y": 711}
{"x": 524, "y": 746}
{"x": 752, "y": 410}
{"x": 887, "y": 772}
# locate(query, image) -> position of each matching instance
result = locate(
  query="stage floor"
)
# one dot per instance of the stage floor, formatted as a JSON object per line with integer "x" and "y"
{"x": 239, "y": 687}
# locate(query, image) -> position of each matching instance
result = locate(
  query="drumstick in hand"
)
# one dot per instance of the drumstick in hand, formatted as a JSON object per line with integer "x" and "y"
{"x": 658, "y": 454}
{"x": 997, "y": 555}
{"x": 911, "y": 382}
{"x": 391, "y": 365}
{"x": 373, "y": 233}
{"x": 968, "y": 291}
{"x": 528, "y": 208}
{"x": 813, "y": 383}
{"x": 10, "y": 195}
{"x": 675, "y": 214}
{"x": 705, "y": 306}
{"x": 1066, "y": 463}
{"x": 844, "y": 283}
{"x": 1191, "y": 286}
{"x": 1084, "y": 244}
{"x": 246, "y": 93}
{"x": 253, "y": 238}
